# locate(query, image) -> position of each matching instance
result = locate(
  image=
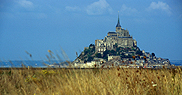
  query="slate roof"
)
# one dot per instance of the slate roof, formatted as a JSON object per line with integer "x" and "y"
{"x": 111, "y": 32}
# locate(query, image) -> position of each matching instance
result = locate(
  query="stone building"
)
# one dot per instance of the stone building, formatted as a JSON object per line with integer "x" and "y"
{"x": 120, "y": 37}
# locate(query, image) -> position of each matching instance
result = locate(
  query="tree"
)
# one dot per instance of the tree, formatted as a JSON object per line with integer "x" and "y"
{"x": 117, "y": 49}
{"x": 116, "y": 45}
{"x": 91, "y": 45}
{"x": 122, "y": 55}
{"x": 139, "y": 52}
{"x": 86, "y": 51}
{"x": 129, "y": 56}
{"x": 153, "y": 54}
{"x": 105, "y": 53}
{"x": 90, "y": 59}
{"x": 112, "y": 52}
{"x": 98, "y": 55}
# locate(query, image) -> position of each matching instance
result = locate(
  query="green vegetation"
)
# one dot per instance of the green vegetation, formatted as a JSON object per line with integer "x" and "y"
{"x": 115, "y": 81}
{"x": 138, "y": 52}
{"x": 88, "y": 53}
{"x": 98, "y": 55}
{"x": 124, "y": 52}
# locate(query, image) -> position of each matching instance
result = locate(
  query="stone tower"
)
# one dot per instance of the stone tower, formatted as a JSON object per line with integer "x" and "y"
{"x": 120, "y": 31}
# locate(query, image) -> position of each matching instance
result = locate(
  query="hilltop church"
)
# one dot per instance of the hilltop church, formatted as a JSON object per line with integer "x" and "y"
{"x": 120, "y": 37}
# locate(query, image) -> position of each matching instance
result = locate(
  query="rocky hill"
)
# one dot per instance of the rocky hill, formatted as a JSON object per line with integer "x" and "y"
{"x": 122, "y": 56}
{"x": 89, "y": 53}
{"x": 118, "y": 47}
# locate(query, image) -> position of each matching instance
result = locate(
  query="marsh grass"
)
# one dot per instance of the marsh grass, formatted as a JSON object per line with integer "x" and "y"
{"x": 114, "y": 81}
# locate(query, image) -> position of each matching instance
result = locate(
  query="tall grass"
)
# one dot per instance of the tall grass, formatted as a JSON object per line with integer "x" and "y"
{"x": 115, "y": 81}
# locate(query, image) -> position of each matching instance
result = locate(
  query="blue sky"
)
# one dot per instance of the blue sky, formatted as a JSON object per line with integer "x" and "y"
{"x": 37, "y": 26}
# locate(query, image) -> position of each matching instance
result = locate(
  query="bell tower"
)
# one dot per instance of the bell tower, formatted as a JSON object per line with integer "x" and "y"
{"x": 118, "y": 26}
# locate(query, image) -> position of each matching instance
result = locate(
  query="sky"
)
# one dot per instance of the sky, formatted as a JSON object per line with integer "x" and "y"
{"x": 36, "y": 26}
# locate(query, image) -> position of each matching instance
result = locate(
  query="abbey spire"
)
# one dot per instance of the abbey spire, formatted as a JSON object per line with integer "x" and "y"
{"x": 118, "y": 24}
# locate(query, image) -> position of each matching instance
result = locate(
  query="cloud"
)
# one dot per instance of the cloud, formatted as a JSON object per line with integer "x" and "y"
{"x": 127, "y": 10}
{"x": 160, "y": 6}
{"x": 98, "y": 8}
{"x": 75, "y": 8}
{"x": 25, "y": 3}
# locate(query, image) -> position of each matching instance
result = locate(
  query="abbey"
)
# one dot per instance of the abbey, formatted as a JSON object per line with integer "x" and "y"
{"x": 119, "y": 38}
{"x": 117, "y": 48}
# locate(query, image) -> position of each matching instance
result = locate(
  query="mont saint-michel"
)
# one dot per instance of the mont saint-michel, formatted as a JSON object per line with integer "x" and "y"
{"x": 118, "y": 48}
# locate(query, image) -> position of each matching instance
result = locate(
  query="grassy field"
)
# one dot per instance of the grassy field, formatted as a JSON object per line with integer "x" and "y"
{"x": 115, "y": 81}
